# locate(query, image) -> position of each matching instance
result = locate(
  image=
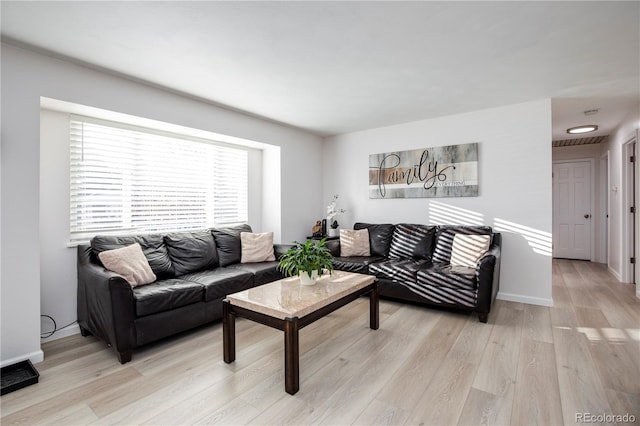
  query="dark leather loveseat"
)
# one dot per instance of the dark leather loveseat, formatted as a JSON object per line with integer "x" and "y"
{"x": 194, "y": 270}
{"x": 412, "y": 263}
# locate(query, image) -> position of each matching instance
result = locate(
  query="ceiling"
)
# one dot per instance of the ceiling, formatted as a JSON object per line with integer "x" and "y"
{"x": 337, "y": 67}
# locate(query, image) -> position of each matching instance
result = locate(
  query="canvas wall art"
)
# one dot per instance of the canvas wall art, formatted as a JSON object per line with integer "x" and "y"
{"x": 441, "y": 171}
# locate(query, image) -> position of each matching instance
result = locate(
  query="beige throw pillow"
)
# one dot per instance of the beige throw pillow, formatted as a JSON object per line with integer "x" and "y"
{"x": 468, "y": 249}
{"x": 130, "y": 262}
{"x": 354, "y": 242}
{"x": 257, "y": 247}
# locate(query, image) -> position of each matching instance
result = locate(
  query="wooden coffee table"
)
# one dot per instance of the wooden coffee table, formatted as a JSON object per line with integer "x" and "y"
{"x": 289, "y": 306}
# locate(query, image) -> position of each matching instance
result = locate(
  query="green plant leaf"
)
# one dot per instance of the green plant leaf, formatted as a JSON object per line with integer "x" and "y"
{"x": 308, "y": 256}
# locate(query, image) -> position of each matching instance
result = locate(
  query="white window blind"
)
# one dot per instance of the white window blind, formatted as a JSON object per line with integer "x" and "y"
{"x": 133, "y": 180}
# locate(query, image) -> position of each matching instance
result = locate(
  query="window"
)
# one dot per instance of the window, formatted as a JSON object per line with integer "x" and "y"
{"x": 127, "y": 180}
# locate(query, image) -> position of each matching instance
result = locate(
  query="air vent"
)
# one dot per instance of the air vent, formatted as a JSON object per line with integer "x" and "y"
{"x": 580, "y": 141}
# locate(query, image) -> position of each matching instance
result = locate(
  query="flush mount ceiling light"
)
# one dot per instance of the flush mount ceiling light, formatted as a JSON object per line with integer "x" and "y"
{"x": 582, "y": 129}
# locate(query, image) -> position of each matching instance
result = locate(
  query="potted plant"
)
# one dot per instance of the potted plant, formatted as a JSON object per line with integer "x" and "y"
{"x": 332, "y": 212}
{"x": 309, "y": 260}
{"x": 334, "y": 232}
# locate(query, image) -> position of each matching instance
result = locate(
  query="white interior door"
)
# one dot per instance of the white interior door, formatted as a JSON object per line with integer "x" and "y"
{"x": 572, "y": 210}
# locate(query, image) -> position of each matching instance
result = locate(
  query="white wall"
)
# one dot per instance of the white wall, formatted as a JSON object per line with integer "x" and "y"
{"x": 58, "y": 278}
{"x": 617, "y": 215}
{"x": 27, "y": 76}
{"x": 514, "y": 177}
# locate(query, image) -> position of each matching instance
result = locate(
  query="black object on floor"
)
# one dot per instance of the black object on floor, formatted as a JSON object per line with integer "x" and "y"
{"x": 17, "y": 376}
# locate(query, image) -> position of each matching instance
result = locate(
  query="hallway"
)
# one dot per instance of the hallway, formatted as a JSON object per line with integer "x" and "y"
{"x": 596, "y": 329}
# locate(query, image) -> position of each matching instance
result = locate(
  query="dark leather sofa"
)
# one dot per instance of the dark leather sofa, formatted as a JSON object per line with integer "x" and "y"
{"x": 420, "y": 270}
{"x": 194, "y": 270}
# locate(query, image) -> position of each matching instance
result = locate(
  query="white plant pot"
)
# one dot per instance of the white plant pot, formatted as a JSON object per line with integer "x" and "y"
{"x": 333, "y": 232}
{"x": 305, "y": 279}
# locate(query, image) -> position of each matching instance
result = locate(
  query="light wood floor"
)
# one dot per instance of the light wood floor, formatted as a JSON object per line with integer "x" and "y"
{"x": 528, "y": 365}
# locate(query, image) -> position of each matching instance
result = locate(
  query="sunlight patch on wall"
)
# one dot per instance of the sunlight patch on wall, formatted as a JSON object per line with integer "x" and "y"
{"x": 445, "y": 214}
{"x": 539, "y": 241}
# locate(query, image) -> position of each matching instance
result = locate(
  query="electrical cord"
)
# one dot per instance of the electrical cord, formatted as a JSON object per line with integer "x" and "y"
{"x": 47, "y": 334}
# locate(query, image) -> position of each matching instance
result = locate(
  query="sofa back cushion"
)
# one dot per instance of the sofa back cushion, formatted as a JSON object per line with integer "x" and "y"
{"x": 152, "y": 246}
{"x": 446, "y": 234}
{"x": 379, "y": 237}
{"x": 228, "y": 243}
{"x": 191, "y": 251}
{"x": 412, "y": 241}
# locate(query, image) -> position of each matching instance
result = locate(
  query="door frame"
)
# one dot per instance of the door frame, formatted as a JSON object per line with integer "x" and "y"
{"x": 591, "y": 162}
{"x": 604, "y": 208}
{"x": 627, "y": 270}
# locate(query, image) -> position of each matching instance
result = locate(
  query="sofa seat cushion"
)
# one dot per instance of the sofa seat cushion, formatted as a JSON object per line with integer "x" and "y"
{"x": 165, "y": 295}
{"x": 221, "y": 281}
{"x": 358, "y": 264}
{"x": 398, "y": 270}
{"x": 440, "y": 275}
{"x": 264, "y": 272}
{"x": 454, "y": 296}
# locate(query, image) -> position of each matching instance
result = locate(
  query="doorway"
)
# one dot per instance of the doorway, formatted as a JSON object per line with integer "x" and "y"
{"x": 572, "y": 209}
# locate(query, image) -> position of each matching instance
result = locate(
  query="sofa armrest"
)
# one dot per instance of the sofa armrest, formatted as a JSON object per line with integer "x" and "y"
{"x": 106, "y": 306}
{"x": 280, "y": 249}
{"x": 334, "y": 247}
{"x": 488, "y": 273}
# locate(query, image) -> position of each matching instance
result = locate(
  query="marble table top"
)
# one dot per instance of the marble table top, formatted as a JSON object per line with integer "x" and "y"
{"x": 287, "y": 298}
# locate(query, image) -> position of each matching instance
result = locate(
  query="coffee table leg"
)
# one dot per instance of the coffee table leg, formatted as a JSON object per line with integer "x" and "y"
{"x": 228, "y": 332}
{"x": 291, "y": 356}
{"x": 374, "y": 308}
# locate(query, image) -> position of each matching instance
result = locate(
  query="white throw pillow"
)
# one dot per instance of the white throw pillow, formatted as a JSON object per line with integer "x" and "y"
{"x": 354, "y": 242}
{"x": 257, "y": 247}
{"x": 130, "y": 262}
{"x": 468, "y": 249}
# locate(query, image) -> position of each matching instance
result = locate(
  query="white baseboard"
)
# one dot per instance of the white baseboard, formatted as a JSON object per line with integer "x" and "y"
{"x": 69, "y": 331}
{"x": 509, "y": 297}
{"x": 34, "y": 357}
{"x": 614, "y": 273}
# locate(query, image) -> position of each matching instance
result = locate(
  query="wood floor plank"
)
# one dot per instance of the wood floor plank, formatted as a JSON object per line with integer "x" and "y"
{"x": 66, "y": 376}
{"x": 498, "y": 367}
{"x": 78, "y": 414}
{"x": 624, "y": 403}
{"x": 537, "y": 398}
{"x": 44, "y": 410}
{"x": 529, "y": 364}
{"x": 579, "y": 383}
{"x": 414, "y": 375}
{"x": 484, "y": 408}
{"x": 379, "y": 413}
{"x": 581, "y": 297}
{"x": 561, "y": 297}
{"x": 537, "y": 323}
{"x": 379, "y": 355}
{"x": 444, "y": 399}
